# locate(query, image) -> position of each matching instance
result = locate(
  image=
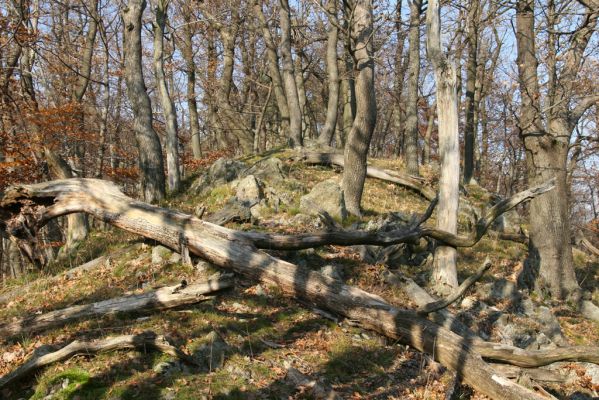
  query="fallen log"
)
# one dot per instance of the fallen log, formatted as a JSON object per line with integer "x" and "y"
{"x": 494, "y": 351}
{"x": 143, "y": 341}
{"x": 85, "y": 267}
{"x": 411, "y": 182}
{"x": 410, "y": 234}
{"x": 163, "y": 298}
{"x": 25, "y": 209}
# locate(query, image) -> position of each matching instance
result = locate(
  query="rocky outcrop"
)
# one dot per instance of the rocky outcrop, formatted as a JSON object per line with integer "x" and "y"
{"x": 326, "y": 196}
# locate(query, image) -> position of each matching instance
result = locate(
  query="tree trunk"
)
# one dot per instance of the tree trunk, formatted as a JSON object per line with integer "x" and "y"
{"x": 444, "y": 274}
{"x": 293, "y": 103}
{"x": 470, "y": 129}
{"x": 358, "y": 141}
{"x": 411, "y": 132}
{"x": 326, "y": 135}
{"x": 190, "y": 70}
{"x": 151, "y": 164}
{"x": 550, "y": 264}
{"x": 168, "y": 107}
{"x": 273, "y": 68}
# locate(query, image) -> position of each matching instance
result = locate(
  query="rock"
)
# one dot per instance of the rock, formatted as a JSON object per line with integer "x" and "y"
{"x": 160, "y": 253}
{"x": 498, "y": 290}
{"x": 211, "y": 354}
{"x": 168, "y": 367}
{"x": 249, "y": 190}
{"x": 526, "y": 306}
{"x": 271, "y": 169}
{"x": 592, "y": 371}
{"x": 550, "y": 326}
{"x": 332, "y": 271}
{"x": 175, "y": 258}
{"x": 301, "y": 219}
{"x": 325, "y": 196}
{"x": 202, "y": 266}
{"x": 222, "y": 171}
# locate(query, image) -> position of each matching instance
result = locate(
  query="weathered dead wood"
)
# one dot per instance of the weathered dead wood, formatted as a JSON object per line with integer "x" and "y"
{"x": 143, "y": 342}
{"x": 408, "y": 181}
{"x": 440, "y": 304}
{"x": 410, "y": 234}
{"x": 85, "y": 267}
{"x": 163, "y": 298}
{"x": 494, "y": 351}
{"x": 231, "y": 249}
{"x": 586, "y": 243}
{"x": 536, "y": 374}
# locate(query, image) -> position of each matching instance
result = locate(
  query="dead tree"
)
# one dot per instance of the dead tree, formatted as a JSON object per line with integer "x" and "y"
{"x": 25, "y": 209}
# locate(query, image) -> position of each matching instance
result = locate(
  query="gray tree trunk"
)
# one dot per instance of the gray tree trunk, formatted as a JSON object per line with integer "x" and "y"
{"x": 445, "y": 277}
{"x": 470, "y": 129}
{"x": 550, "y": 264}
{"x": 326, "y": 135}
{"x": 358, "y": 141}
{"x": 293, "y": 103}
{"x": 151, "y": 164}
{"x": 411, "y": 132}
{"x": 168, "y": 106}
{"x": 190, "y": 70}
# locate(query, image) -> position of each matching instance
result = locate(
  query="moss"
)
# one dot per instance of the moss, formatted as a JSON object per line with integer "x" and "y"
{"x": 64, "y": 385}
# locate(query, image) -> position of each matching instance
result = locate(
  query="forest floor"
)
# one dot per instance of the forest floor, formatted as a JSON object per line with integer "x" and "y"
{"x": 260, "y": 333}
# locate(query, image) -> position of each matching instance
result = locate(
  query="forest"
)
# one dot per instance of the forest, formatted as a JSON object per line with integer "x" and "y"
{"x": 308, "y": 199}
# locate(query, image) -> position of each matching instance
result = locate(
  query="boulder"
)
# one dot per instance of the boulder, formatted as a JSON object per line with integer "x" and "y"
{"x": 212, "y": 352}
{"x": 325, "y": 196}
{"x": 332, "y": 271}
{"x": 271, "y": 169}
{"x": 222, "y": 171}
{"x": 160, "y": 254}
{"x": 249, "y": 190}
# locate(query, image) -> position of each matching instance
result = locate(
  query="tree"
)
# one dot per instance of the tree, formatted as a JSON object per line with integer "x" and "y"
{"x": 168, "y": 107}
{"x": 444, "y": 273}
{"x": 150, "y": 161}
{"x": 295, "y": 114}
{"x": 411, "y": 133}
{"x": 358, "y": 141}
{"x": 326, "y": 135}
{"x": 546, "y": 132}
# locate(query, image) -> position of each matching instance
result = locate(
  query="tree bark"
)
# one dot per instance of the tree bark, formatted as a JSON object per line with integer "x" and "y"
{"x": 326, "y": 135}
{"x": 150, "y": 161}
{"x": 445, "y": 276}
{"x": 192, "y": 105}
{"x": 293, "y": 103}
{"x": 229, "y": 249}
{"x": 550, "y": 264}
{"x": 358, "y": 141}
{"x": 470, "y": 128}
{"x": 168, "y": 106}
{"x": 411, "y": 132}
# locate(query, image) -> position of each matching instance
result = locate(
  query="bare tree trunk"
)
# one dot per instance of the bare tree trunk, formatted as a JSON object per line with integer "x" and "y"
{"x": 398, "y": 81}
{"x": 168, "y": 107}
{"x": 190, "y": 70}
{"x": 470, "y": 129}
{"x": 550, "y": 264}
{"x": 426, "y": 153}
{"x": 273, "y": 68}
{"x": 411, "y": 132}
{"x": 445, "y": 275}
{"x": 326, "y": 135}
{"x": 358, "y": 142}
{"x": 151, "y": 164}
{"x": 295, "y": 114}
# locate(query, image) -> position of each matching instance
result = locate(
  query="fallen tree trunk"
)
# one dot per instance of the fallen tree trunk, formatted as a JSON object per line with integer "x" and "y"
{"x": 410, "y": 234}
{"x": 408, "y": 181}
{"x": 88, "y": 266}
{"x": 146, "y": 340}
{"x": 494, "y": 351}
{"x": 25, "y": 209}
{"x": 163, "y": 298}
